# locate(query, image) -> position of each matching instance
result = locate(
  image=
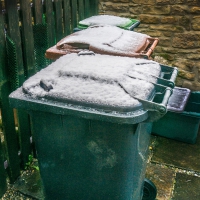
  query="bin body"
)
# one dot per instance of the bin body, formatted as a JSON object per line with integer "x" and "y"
{"x": 90, "y": 159}
{"x": 182, "y": 126}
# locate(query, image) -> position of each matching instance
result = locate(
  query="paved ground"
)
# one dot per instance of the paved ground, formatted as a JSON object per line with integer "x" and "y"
{"x": 173, "y": 166}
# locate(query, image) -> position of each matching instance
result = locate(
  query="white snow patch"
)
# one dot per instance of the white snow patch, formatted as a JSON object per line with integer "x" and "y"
{"x": 105, "y": 19}
{"x": 99, "y": 79}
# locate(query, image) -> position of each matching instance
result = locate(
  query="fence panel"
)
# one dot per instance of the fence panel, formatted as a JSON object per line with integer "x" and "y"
{"x": 15, "y": 35}
{"x": 49, "y": 16}
{"x": 81, "y": 8}
{"x": 37, "y": 11}
{"x": 87, "y": 8}
{"x": 3, "y": 185}
{"x": 58, "y": 19}
{"x": 73, "y": 13}
{"x": 66, "y": 17}
{"x": 30, "y": 30}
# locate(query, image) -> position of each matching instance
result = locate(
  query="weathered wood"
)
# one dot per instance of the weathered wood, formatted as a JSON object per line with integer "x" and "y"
{"x": 27, "y": 38}
{"x": 81, "y": 14}
{"x": 66, "y": 17}
{"x": 10, "y": 136}
{"x": 74, "y": 13}
{"x": 87, "y": 8}
{"x": 38, "y": 12}
{"x": 58, "y": 19}
{"x": 3, "y": 185}
{"x": 94, "y": 9}
{"x": 49, "y": 15}
{"x": 14, "y": 33}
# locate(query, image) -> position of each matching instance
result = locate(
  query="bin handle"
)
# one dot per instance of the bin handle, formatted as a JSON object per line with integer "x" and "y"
{"x": 158, "y": 107}
{"x": 86, "y": 52}
{"x": 150, "y": 105}
{"x": 152, "y": 47}
{"x": 174, "y": 75}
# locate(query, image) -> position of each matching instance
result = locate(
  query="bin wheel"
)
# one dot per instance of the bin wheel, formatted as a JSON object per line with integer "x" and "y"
{"x": 149, "y": 190}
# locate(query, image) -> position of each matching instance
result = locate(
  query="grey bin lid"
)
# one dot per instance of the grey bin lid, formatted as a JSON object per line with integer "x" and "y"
{"x": 97, "y": 81}
{"x": 178, "y": 99}
{"x": 94, "y": 86}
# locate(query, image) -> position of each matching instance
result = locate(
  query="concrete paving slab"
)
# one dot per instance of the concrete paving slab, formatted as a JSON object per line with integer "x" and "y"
{"x": 163, "y": 178}
{"x": 29, "y": 184}
{"x": 178, "y": 154}
{"x": 187, "y": 187}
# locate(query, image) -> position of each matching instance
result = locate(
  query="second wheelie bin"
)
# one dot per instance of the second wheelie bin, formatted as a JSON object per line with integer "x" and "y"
{"x": 121, "y": 22}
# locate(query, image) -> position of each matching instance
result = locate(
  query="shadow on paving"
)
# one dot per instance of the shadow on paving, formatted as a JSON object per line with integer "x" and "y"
{"x": 178, "y": 154}
{"x": 175, "y": 169}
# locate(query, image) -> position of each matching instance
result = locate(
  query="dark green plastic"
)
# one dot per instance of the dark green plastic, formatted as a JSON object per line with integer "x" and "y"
{"x": 88, "y": 154}
{"x": 90, "y": 159}
{"x": 181, "y": 126}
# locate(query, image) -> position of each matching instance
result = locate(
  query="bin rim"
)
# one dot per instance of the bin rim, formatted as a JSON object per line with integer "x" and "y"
{"x": 20, "y": 100}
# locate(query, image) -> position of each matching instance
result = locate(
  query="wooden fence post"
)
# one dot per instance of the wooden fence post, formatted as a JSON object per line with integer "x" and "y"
{"x": 23, "y": 118}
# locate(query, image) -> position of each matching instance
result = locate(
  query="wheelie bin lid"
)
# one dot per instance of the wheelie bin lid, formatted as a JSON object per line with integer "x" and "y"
{"x": 122, "y": 22}
{"x": 105, "y": 39}
{"x": 94, "y": 84}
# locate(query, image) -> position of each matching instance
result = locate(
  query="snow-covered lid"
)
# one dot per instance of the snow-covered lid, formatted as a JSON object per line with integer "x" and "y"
{"x": 106, "y": 19}
{"x": 95, "y": 80}
{"x": 107, "y": 40}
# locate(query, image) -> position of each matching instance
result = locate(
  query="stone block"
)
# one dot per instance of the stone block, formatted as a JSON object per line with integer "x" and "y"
{"x": 170, "y": 50}
{"x": 194, "y": 86}
{"x": 193, "y": 2}
{"x": 117, "y": 7}
{"x": 143, "y": 2}
{"x": 195, "y": 10}
{"x": 193, "y": 56}
{"x": 156, "y": 10}
{"x": 179, "y": 9}
{"x": 149, "y": 19}
{"x": 196, "y": 23}
{"x": 153, "y": 33}
{"x": 185, "y": 22}
{"x": 162, "y": 2}
{"x": 174, "y": 2}
{"x": 186, "y": 75}
{"x": 179, "y": 81}
{"x": 121, "y": 1}
{"x": 167, "y": 27}
{"x": 184, "y": 64}
{"x": 136, "y": 9}
{"x": 169, "y": 20}
{"x": 186, "y": 40}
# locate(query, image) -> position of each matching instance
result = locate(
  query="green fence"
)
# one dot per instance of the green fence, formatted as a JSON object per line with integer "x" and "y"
{"x": 26, "y": 31}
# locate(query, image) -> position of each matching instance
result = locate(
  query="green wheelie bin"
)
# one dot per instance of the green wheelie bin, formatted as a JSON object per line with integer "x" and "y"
{"x": 91, "y": 121}
{"x": 121, "y": 22}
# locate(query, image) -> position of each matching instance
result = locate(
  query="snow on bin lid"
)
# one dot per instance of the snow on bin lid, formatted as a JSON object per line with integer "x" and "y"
{"x": 106, "y": 19}
{"x": 106, "y": 39}
{"x": 94, "y": 80}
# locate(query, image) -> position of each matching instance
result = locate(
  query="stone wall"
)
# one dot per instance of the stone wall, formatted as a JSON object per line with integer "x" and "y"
{"x": 177, "y": 25}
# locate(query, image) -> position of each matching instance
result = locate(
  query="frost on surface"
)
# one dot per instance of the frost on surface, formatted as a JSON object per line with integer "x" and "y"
{"x": 100, "y": 80}
{"x": 106, "y": 38}
{"x": 106, "y": 19}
